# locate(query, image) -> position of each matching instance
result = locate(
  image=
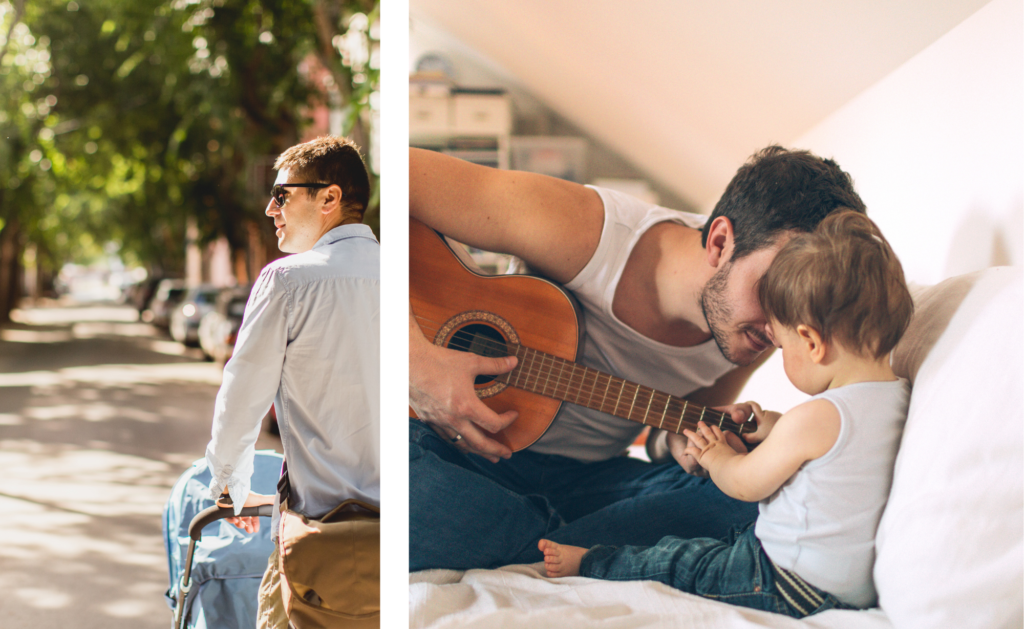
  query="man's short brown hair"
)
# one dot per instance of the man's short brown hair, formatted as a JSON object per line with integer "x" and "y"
{"x": 330, "y": 160}
{"x": 843, "y": 280}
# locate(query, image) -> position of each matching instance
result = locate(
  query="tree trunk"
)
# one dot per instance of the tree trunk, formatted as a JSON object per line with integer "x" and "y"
{"x": 10, "y": 268}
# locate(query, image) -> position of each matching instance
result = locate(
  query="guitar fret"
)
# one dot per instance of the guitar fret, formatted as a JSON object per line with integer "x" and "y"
{"x": 621, "y": 387}
{"x": 522, "y": 369}
{"x": 629, "y": 415}
{"x": 665, "y": 410}
{"x": 568, "y": 382}
{"x": 682, "y": 415}
{"x": 552, "y": 378}
{"x": 547, "y": 378}
{"x": 586, "y": 371}
{"x": 647, "y": 413}
{"x": 535, "y": 371}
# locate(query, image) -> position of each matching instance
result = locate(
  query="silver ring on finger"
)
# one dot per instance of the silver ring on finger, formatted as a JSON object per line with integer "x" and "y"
{"x": 457, "y": 438}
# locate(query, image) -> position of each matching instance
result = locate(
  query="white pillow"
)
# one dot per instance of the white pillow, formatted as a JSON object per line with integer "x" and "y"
{"x": 950, "y": 550}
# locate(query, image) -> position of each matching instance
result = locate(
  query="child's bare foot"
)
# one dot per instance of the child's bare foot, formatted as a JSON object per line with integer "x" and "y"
{"x": 561, "y": 560}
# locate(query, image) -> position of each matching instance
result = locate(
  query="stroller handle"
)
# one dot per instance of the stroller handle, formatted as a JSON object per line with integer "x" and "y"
{"x": 195, "y": 531}
{"x": 214, "y": 513}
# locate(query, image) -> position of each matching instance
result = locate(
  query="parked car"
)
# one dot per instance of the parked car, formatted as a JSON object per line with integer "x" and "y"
{"x": 219, "y": 327}
{"x": 168, "y": 294}
{"x": 186, "y": 316}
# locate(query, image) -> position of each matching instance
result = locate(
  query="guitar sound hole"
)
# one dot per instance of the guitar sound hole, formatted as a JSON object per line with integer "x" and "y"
{"x": 482, "y": 340}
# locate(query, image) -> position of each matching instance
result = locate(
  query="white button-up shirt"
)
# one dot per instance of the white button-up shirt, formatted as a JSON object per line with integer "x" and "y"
{"x": 309, "y": 342}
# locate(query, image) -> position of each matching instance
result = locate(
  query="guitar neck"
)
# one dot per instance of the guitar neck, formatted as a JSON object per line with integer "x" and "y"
{"x": 565, "y": 380}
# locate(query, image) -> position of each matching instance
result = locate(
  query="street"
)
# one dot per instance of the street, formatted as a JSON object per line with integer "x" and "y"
{"x": 99, "y": 415}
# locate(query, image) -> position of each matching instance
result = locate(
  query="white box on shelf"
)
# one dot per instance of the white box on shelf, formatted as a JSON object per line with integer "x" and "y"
{"x": 429, "y": 115}
{"x": 481, "y": 114}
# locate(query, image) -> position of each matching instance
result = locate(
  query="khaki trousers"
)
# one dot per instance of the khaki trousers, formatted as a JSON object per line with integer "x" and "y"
{"x": 271, "y": 613}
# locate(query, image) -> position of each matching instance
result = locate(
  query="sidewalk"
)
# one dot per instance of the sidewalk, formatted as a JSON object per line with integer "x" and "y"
{"x": 99, "y": 415}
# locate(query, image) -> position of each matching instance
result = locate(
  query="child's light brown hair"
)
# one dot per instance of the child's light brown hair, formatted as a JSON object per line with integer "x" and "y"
{"x": 844, "y": 281}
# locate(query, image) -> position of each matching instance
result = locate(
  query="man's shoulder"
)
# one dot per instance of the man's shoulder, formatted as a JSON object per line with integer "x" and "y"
{"x": 337, "y": 260}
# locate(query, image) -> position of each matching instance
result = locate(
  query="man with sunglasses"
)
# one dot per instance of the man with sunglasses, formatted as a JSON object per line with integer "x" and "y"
{"x": 309, "y": 343}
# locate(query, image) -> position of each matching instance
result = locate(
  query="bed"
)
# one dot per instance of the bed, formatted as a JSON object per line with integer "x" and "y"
{"x": 950, "y": 549}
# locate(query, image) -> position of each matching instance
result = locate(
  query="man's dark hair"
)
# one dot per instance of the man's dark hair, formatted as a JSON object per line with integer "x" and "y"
{"x": 330, "y": 160}
{"x": 779, "y": 190}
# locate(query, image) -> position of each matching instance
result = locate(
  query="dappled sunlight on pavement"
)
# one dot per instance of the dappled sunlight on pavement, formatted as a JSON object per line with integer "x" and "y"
{"x": 99, "y": 415}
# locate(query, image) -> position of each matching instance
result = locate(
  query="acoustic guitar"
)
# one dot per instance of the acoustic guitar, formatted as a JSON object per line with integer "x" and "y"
{"x": 539, "y": 322}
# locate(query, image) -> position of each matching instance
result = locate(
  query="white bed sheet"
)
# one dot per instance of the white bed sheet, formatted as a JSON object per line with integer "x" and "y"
{"x": 521, "y": 596}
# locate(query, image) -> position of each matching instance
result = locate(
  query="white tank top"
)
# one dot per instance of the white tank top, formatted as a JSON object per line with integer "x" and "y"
{"x": 821, "y": 523}
{"x": 613, "y": 347}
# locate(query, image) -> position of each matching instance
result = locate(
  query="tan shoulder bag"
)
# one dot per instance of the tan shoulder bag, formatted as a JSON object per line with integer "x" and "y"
{"x": 330, "y": 567}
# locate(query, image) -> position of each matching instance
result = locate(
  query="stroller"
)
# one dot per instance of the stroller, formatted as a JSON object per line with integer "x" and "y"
{"x": 220, "y": 572}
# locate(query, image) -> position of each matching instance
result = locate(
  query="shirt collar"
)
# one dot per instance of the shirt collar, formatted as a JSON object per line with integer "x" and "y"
{"x": 341, "y": 232}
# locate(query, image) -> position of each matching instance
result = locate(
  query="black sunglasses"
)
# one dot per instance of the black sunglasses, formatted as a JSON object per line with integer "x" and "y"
{"x": 278, "y": 191}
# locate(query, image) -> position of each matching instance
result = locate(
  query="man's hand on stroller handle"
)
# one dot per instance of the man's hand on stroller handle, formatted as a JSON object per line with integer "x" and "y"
{"x": 247, "y": 524}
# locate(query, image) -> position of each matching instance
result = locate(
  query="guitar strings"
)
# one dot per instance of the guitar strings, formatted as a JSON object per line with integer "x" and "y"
{"x": 656, "y": 399}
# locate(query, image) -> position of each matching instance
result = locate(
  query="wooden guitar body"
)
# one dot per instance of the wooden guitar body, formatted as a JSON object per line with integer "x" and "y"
{"x": 460, "y": 308}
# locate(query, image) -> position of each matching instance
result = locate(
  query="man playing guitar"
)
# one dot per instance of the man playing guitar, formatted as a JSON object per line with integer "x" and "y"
{"x": 669, "y": 300}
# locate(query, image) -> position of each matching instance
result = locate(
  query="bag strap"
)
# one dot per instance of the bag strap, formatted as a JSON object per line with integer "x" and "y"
{"x": 284, "y": 488}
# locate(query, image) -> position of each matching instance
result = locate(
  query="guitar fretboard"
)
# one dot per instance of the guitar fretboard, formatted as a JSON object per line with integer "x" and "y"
{"x": 565, "y": 380}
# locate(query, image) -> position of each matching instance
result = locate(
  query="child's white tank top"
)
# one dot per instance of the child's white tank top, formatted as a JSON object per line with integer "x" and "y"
{"x": 821, "y": 523}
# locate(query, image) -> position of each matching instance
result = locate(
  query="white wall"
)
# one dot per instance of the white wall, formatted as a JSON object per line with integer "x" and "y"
{"x": 936, "y": 150}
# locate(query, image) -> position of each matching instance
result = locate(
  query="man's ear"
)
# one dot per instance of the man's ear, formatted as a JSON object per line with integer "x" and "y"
{"x": 332, "y": 200}
{"x": 816, "y": 346}
{"x": 719, "y": 242}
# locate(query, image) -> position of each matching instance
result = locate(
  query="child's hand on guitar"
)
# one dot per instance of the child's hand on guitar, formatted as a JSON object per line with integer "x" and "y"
{"x": 739, "y": 413}
{"x": 765, "y": 419}
{"x": 679, "y": 444}
{"x": 708, "y": 443}
{"x": 442, "y": 394}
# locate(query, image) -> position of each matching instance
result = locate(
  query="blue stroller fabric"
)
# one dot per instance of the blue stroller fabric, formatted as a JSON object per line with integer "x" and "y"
{"x": 229, "y": 563}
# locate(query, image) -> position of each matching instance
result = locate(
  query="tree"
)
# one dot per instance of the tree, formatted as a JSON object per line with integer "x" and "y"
{"x": 153, "y": 112}
{"x": 24, "y": 68}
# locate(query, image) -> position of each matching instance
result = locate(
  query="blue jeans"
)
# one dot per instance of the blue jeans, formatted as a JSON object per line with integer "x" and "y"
{"x": 734, "y": 569}
{"x": 466, "y": 512}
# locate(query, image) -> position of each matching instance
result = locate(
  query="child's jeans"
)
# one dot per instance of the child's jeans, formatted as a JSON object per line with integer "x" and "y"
{"x": 735, "y": 570}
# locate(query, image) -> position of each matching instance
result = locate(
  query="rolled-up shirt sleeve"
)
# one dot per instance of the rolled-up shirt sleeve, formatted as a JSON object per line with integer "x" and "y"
{"x": 251, "y": 381}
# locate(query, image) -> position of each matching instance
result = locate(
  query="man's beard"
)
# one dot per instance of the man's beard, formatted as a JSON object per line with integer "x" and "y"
{"x": 718, "y": 315}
